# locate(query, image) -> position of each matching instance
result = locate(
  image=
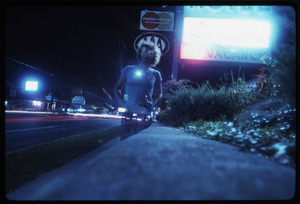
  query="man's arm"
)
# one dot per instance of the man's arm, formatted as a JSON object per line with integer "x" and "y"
{"x": 117, "y": 90}
{"x": 157, "y": 92}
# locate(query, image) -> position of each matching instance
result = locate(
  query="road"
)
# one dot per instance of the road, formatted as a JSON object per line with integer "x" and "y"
{"x": 23, "y": 130}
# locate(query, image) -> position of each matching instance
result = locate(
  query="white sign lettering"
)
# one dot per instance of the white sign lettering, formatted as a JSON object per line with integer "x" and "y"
{"x": 207, "y": 52}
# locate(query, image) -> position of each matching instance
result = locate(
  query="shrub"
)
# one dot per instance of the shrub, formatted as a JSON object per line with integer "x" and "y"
{"x": 283, "y": 74}
{"x": 190, "y": 104}
{"x": 182, "y": 103}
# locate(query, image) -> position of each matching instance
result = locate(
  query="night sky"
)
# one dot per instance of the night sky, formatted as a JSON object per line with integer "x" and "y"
{"x": 85, "y": 46}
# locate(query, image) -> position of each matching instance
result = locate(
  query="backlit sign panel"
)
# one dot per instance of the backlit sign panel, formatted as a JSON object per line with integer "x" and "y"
{"x": 236, "y": 37}
{"x": 31, "y": 86}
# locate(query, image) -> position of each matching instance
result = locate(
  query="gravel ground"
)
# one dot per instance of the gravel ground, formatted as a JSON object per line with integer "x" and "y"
{"x": 164, "y": 163}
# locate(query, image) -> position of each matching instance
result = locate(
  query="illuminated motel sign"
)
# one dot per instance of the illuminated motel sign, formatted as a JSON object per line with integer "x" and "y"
{"x": 226, "y": 33}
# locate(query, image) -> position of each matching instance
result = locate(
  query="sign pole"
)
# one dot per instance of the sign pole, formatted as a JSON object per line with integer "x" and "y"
{"x": 177, "y": 41}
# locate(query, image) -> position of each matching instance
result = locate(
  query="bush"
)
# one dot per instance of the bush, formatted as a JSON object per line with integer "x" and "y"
{"x": 190, "y": 104}
{"x": 182, "y": 103}
{"x": 283, "y": 73}
{"x": 171, "y": 86}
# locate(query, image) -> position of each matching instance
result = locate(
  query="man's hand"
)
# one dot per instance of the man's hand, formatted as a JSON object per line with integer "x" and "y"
{"x": 157, "y": 95}
{"x": 117, "y": 90}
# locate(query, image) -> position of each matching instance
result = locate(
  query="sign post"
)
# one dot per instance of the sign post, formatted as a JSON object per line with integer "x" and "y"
{"x": 177, "y": 41}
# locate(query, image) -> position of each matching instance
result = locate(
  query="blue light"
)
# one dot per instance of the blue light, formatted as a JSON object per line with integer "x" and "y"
{"x": 31, "y": 85}
{"x": 121, "y": 110}
{"x": 138, "y": 73}
{"x": 37, "y": 103}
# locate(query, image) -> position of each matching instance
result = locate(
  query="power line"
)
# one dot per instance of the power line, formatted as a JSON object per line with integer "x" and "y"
{"x": 60, "y": 78}
{"x": 27, "y": 65}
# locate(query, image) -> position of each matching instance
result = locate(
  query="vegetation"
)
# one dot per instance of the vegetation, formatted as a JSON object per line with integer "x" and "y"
{"x": 275, "y": 142}
{"x": 185, "y": 103}
{"x": 283, "y": 73}
{"x": 212, "y": 112}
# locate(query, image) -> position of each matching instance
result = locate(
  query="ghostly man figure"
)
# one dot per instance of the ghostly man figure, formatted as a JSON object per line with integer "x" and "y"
{"x": 143, "y": 89}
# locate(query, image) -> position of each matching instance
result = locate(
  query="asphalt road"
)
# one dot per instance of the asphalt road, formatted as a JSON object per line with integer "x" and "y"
{"x": 22, "y": 130}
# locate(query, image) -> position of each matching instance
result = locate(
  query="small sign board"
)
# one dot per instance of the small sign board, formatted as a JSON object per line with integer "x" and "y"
{"x": 78, "y": 100}
{"x": 48, "y": 98}
{"x": 157, "y": 20}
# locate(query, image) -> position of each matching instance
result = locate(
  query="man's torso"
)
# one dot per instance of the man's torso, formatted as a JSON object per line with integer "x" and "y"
{"x": 140, "y": 85}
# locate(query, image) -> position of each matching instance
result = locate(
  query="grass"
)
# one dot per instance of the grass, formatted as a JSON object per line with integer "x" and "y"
{"x": 276, "y": 143}
{"x": 22, "y": 166}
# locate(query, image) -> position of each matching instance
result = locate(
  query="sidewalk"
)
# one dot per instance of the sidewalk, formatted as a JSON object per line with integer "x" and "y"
{"x": 163, "y": 163}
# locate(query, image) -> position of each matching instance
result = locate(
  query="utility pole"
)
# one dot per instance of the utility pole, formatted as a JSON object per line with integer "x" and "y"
{"x": 12, "y": 94}
{"x": 54, "y": 80}
{"x": 52, "y": 91}
{"x": 177, "y": 40}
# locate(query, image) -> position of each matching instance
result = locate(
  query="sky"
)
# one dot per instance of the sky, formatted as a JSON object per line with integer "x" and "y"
{"x": 77, "y": 41}
{"x": 84, "y": 46}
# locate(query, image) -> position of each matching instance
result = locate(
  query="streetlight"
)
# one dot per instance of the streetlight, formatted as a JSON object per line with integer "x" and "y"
{"x": 32, "y": 85}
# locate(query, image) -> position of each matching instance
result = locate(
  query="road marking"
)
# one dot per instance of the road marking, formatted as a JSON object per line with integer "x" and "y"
{"x": 18, "y": 130}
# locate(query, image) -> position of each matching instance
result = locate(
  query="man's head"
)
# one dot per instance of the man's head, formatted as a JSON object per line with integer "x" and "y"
{"x": 148, "y": 53}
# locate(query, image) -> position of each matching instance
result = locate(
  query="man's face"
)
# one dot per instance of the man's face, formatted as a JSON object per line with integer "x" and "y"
{"x": 147, "y": 56}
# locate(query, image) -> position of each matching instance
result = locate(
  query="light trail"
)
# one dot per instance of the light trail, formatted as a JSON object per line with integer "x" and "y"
{"x": 96, "y": 115}
{"x": 33, "y": 112}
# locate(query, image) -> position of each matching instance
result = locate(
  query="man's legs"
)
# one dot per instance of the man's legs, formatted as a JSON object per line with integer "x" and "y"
{"x": 132, "y": 124}
{"x": 128, "y": 126}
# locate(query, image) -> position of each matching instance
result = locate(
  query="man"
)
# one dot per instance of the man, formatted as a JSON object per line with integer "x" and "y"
{"x": 143, "y": 89}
